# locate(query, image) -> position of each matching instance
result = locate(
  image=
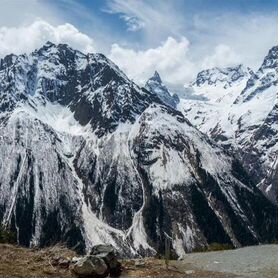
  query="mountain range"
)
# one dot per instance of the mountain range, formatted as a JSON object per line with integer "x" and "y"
{"x": 240, "y": 113}
{"x": 89, "y": 157}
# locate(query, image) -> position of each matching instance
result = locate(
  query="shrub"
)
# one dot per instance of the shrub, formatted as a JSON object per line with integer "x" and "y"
{"x": 219, "y": 247}
{"x": 6, "y": 236}
{"x": 215, "y": 247}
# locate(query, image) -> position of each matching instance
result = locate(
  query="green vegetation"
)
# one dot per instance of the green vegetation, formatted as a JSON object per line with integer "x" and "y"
{"x": 219, "y": 247}
{"x": 6, "y": 236}
{"x": 214, "y": 247}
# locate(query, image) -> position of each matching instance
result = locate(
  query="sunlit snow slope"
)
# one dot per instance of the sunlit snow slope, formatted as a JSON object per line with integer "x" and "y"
{"x": 239, "y": 109}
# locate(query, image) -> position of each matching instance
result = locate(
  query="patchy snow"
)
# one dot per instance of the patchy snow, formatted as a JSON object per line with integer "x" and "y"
{"x": 57, "y": 116}
{"x": 184, "y": 239}
{"x": 96, "y": 231}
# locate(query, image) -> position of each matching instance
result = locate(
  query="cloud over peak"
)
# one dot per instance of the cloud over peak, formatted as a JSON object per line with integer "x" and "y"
{"x": 222, "y": 56}
{"x": 26, "y": 38}
{"x": 169, "y": 59}
{"x": 177, "y": 56}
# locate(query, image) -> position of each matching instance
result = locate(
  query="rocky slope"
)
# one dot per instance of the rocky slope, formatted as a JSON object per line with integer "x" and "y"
{"x": 88, "y": 157}
{"x": 242, "y": 116}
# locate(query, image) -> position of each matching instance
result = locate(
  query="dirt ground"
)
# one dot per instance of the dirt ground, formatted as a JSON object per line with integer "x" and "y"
{"x": 18, "y": 262}
{"x": 250, "y": 262}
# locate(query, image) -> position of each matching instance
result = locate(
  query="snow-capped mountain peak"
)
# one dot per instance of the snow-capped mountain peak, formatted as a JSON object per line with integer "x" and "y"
{"x": 218, "y": 85}
{"x": 265, "y": 78}
{"x": 156, "y": 86}
{"x": 156, "y": 78}
{"x": 271, "y": 60}
{"x": 60, "y": 74}
{"x": 223, "y": 77}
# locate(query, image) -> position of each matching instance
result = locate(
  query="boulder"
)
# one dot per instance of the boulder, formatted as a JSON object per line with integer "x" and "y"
{"x": 107, "y": 253}
{"x": 90, "y": 266}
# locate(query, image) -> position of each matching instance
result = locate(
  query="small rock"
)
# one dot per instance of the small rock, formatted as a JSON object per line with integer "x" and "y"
{"x": 75, "y": 259}
{"x": 140, "y": 263}
{"x": 55, "y": 261}
{"x": 61, "y": 262}
{"x": 64, "y": 263}
{"x": 188, "y": 272}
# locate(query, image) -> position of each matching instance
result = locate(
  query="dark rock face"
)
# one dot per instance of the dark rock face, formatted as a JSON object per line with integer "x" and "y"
{"x": 37, "y": 190}
{"x": 270, "y": 60}
{"x": 90, "y": 158}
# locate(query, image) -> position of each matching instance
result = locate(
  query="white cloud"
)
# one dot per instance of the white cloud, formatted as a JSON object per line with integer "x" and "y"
{"x": 216, "y": 39}
{"x": 245, "y": 38}
{"x": 169, "y": 59}
{"x": 223, "y": 56}
{"x": 17, "y": 12}
{"x": 26, "y": 38}
{"x": 156, "y": 20}
{"x": 177, "y": 60}
{"x": 133, "y": 23}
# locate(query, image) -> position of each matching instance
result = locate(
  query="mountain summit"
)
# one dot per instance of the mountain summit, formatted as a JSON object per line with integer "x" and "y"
{"x": 156, "y": 86}
{"x": 156, "y": 78}
{"x": 224, "y": 77}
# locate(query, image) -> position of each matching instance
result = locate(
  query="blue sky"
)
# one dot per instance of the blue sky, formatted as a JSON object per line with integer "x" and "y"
{"x": 123, "y": 23}
{"x": 175, "y": 37}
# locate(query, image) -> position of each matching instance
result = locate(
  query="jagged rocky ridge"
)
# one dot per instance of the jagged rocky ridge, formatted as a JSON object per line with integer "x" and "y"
{"x": 242, "y": 117}
{"x": 156, "y": 86}
{"x": 88, "y": 157}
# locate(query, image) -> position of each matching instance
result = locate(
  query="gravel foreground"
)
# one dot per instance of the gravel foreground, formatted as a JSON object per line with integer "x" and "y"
{"x": 250, "y": 262}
